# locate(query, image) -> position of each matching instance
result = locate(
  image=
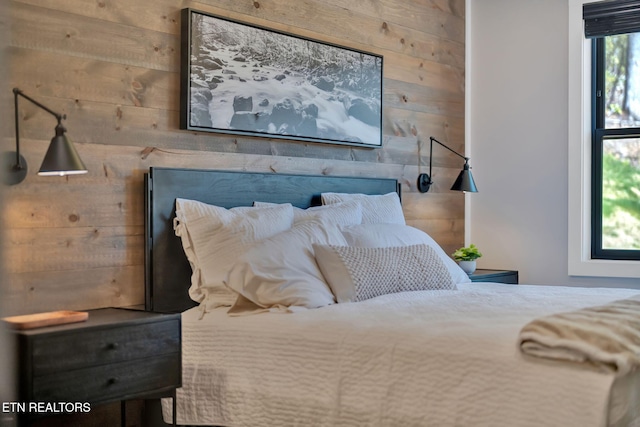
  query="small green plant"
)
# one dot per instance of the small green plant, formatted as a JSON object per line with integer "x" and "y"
{"x": 469, "y": 253}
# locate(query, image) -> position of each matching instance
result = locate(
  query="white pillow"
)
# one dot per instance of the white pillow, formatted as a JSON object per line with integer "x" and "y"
{"x": 348, "y": 213}
{"x": 357, "y": 273}
{"x": 383, "y": 235}
{"x": 282, "y": 271}
{"x": 214, "y": 237}
{"x": 376, "y": 209}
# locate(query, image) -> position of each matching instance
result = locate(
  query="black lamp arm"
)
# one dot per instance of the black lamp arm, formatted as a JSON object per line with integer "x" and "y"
{"x": 17, "y": 92}
{"x": 58, "y": 116}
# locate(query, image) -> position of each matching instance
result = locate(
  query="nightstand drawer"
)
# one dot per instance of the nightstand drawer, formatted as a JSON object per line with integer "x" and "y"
{"x": 496, "y": 276}
{"x": 107, "y": 382}
{"x": 86, "y": 348}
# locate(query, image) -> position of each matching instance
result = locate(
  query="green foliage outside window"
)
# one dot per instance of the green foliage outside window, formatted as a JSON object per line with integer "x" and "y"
{"x": 620, "y": 204}
{"x": 616, "y": 78}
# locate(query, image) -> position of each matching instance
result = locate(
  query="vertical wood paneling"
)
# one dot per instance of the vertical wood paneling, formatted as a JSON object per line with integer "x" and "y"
{"x": 112, "y": 67}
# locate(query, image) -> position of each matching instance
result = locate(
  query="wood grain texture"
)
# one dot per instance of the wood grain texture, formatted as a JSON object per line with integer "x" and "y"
{"x": 83, "y": 289}
{"x": 56, "y": 31}
{"x": 112, "y": 67}
{"x": 134, "y": 341}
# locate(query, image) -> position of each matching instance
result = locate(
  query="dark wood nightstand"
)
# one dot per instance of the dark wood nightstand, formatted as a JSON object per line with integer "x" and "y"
{"x": 116, "y": 355}
{"x": 499, "y": 276}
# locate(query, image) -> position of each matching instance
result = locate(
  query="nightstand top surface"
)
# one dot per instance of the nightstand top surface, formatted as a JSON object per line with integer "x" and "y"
{"x": 101, "y": 317}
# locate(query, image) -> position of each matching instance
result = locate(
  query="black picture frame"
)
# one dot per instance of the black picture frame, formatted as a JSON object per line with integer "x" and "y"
{"x": 243, "y": 79}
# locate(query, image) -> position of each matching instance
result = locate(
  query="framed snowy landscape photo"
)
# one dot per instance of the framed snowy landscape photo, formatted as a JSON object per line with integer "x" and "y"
{"x": 243, "y": 79}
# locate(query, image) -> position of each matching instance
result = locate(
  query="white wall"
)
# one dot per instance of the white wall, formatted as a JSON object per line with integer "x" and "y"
{"x": 517, "y": 112}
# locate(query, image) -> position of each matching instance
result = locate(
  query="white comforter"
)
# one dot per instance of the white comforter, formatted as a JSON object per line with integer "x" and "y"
{"x": 432, "y": 358}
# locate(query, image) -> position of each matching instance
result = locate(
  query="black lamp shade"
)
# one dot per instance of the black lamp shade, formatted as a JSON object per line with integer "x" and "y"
{"x": 465, "y": 181}
{"x": 62, "y": 157}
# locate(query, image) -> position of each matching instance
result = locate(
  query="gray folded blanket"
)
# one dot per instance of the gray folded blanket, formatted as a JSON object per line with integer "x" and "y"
{"x": 606, "y": 336}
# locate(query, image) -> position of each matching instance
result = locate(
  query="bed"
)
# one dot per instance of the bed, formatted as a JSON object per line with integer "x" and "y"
{"x": 446, "y": 356}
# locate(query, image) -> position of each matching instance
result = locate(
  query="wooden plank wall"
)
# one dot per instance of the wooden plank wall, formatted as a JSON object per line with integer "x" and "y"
{"x": 112, "y": 67}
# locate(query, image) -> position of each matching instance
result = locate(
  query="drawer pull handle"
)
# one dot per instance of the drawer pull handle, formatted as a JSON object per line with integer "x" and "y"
{"x": 112, "y": 381}
{"x": 113, "y": 346}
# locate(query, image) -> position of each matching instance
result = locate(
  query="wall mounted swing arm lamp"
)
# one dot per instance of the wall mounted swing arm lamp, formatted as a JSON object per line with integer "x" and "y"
{"x": 61, "y": 158}
{"x": 464, "y": 182}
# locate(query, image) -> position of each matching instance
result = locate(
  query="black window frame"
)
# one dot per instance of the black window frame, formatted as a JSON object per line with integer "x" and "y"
{"x": 599, "y": 133}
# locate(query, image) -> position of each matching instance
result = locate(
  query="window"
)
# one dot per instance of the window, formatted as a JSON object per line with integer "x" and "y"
{"x": 616, "y": 147}
{"x": 580, "y": 261}
{"x": 615, "y": 128}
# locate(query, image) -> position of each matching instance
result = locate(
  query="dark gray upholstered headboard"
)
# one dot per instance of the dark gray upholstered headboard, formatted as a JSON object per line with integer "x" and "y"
{"x": 167, "y": 271}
